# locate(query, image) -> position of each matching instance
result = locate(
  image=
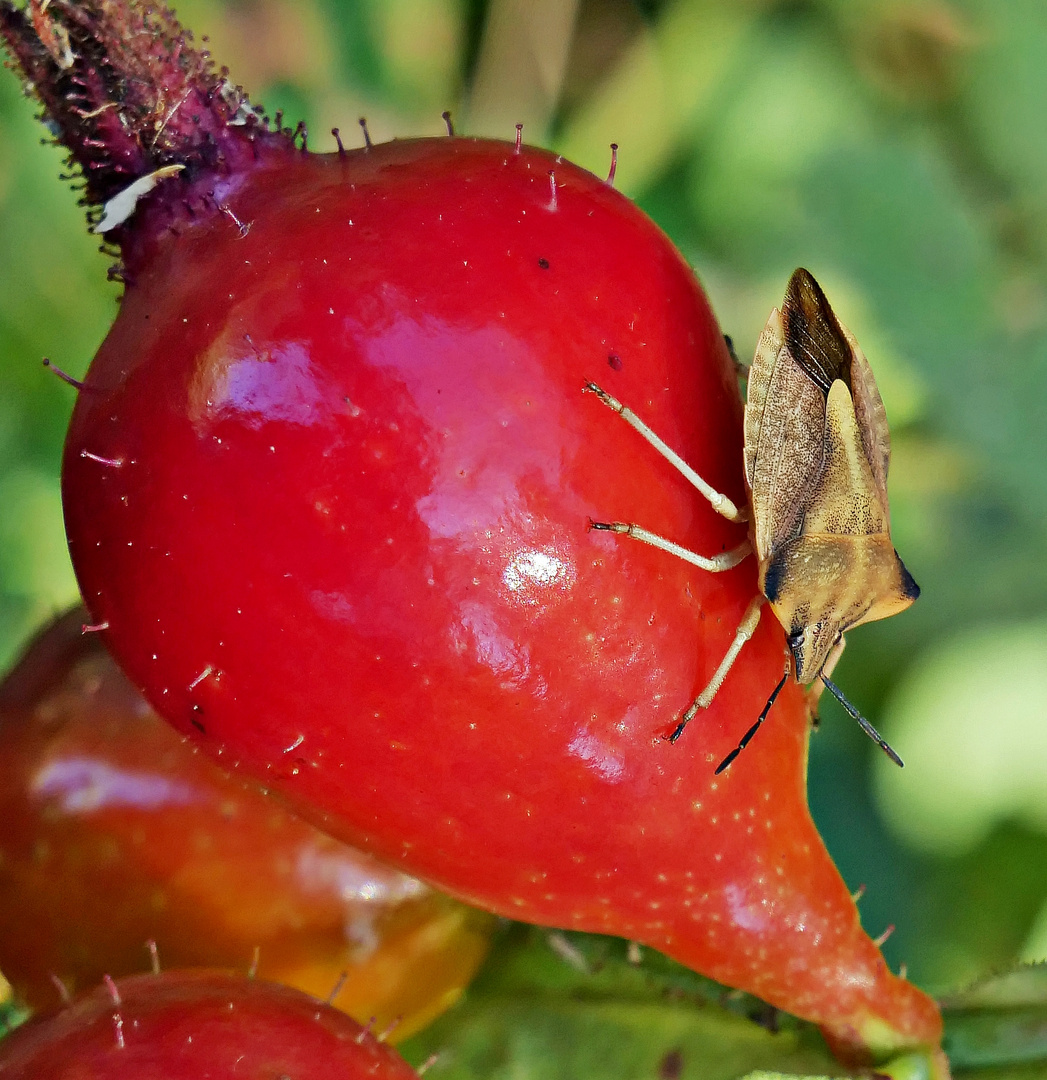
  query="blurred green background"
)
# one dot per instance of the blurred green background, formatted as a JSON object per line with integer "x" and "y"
{"x": 897, "y": 148}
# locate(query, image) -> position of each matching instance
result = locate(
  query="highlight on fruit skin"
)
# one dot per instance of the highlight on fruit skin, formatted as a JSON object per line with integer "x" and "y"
{"x": 329, "y": 479}
{"x": 183, "y": 1025}
{"x": 117, "y": 833}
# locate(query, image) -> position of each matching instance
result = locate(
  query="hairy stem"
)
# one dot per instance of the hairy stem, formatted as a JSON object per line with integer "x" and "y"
{"x": 128, "y": 94}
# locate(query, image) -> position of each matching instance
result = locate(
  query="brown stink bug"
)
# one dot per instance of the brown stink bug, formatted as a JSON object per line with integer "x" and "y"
{"x": 817, "y": 451}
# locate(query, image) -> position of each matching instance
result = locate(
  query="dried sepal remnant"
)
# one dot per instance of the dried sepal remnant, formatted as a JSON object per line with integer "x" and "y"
{"x": 122, "y": 205}
{"x": 126, "y": 91}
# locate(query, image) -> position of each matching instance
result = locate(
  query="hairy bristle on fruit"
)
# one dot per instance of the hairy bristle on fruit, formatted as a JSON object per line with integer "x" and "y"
{"x": 127, "y": 93}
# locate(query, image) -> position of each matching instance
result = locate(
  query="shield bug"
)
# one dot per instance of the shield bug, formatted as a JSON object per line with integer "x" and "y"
{"x": 817, "y": 450}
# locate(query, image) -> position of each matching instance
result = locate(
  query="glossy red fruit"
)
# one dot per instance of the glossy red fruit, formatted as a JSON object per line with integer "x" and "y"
{"x": 116, "y": 832}
{"x": 328, "y": 485}
{"x": 183, "y": 1025}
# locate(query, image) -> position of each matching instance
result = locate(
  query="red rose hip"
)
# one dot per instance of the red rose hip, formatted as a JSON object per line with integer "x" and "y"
{"x": 116, "y": 832}
{"x": 183, "y": 1025}
{"x": 327, "y": 485}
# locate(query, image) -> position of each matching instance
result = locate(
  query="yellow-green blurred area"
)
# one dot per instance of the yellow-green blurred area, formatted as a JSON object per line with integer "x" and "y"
{"x": 898, "y": 149}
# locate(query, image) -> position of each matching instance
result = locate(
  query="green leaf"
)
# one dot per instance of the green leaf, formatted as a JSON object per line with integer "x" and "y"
{"x": 1000, "y": 1023}
{"x": 552, "y": 1004}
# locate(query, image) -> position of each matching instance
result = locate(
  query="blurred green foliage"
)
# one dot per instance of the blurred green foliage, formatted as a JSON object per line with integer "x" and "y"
{"x": 552, "y": 1004}
{"x": 895, "y": 147}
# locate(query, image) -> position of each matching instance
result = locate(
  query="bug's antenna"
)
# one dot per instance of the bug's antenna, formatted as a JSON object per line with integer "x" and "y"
{"x": 747, "y": 737}
{"x": 864, "y": 724}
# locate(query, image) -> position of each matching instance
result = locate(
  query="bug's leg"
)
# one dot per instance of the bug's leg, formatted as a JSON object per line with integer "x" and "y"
{"x": 719, "y": 502}
{"x": 814, "y": 691}
{"x": 714, "y": 564}
{"x": 746, "y": 629}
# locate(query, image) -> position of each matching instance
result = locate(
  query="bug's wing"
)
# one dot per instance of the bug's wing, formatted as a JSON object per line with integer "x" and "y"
{"x": 827, "y": 351}
{"x": 816, "y": 339}
{"x": 758, "y": 379}
{"x": 871, "y": 417}
{"x": 784, "y": 440}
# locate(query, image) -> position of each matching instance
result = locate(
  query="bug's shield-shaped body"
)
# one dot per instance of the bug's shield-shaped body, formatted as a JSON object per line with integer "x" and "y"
{"x": 817, "y": 450}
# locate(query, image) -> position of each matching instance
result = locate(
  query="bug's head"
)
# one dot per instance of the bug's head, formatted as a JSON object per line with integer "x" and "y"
{"x": 821, "y": 586}
{"x": 811, "y": 645}
{"x": 804, "y": 585}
